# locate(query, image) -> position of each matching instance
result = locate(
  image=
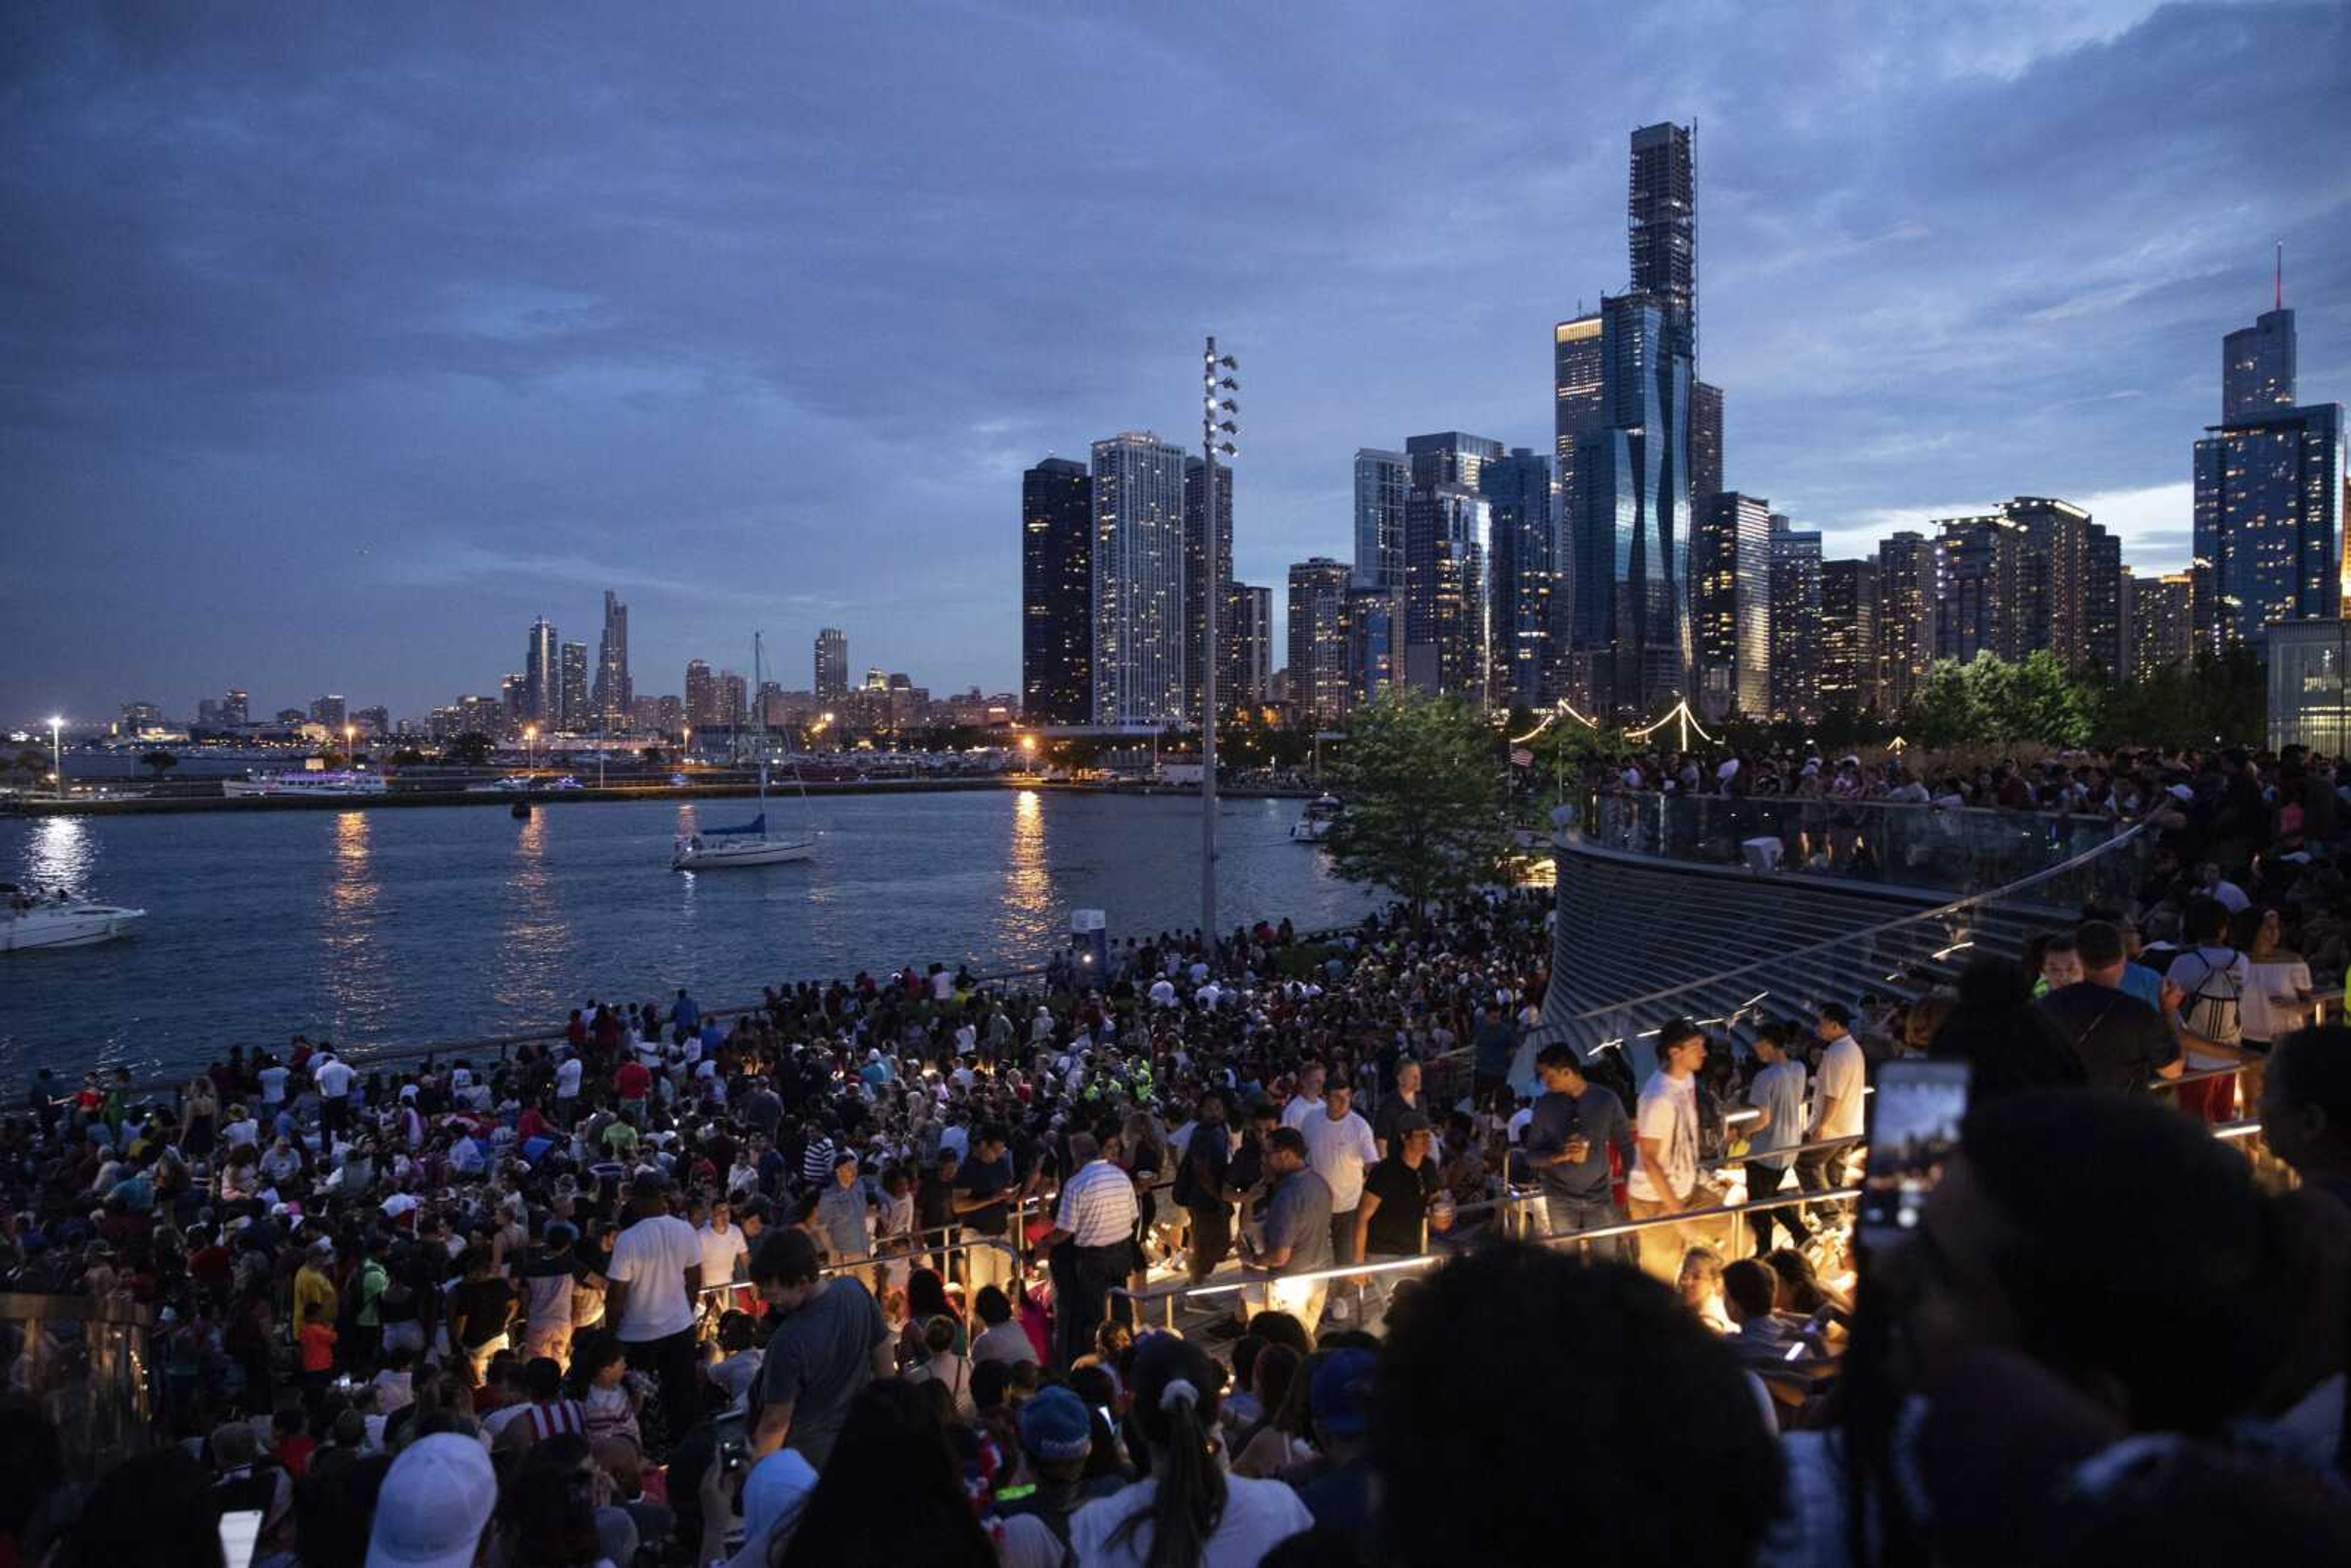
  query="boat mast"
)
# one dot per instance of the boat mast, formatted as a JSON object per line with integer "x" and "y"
{"x": 759, "y": 734}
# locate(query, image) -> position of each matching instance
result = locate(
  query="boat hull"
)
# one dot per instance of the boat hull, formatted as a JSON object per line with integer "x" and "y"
{"x": 1309, "y": 833}
{"x": 715, "y": 858}
{"x": 72, "y": 927}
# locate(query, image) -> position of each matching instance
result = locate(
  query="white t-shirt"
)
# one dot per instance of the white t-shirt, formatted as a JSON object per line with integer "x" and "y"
{"x": 567, "y": 1077}
{"x": 273, "y": 1085}
{"x": 1299, "y": 1108}
{"x": 1669, "y": 1114}
{"x": 719, "y": 1250}
{"x": 335, "y": 1078}
{"x": 651, "y": 1258}
{"x": 1259, "y": 1516}
{"x": 1340, "y": 1152}
{"x": 1841, "y": 1074}
{"x": 2279, "y": 981}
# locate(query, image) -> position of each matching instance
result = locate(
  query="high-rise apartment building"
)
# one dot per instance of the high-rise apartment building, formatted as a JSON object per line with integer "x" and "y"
{"x": 701, "y": 695}
{"x": 1522, "y": 574}
{"x": 1848, "y": 658}
{"x": 237, "y": 707}
{"x": 1057, "y": 595}
{"x": 573, "y": 688}
{"x": 2103, "y": 643}
{"x": 331, "y": 710}
{"x": 1795, "y": 621}
{"x": 2018, "y": 581}
{"x": 513, "y": 695}
{"x": 732, "y": 699}
{"x": 1908, "y": 589}
{"x": 542, "y": 676}
{"x": 1318, "y": 640}
{"x": 832, "y": 643}
{"x": 1375, "y": 643}
{"x": 1448, "y": 603}
{"x": 2269, "y": 495}
{"x": 1382, "y": 480}
{"x": 1731, "y": 605}
{"x": 1706, "y": 441}
{"x": 1256, "y": 663}
{"x": 1199, "y": 585}
{"x": 2157, "y": 614}
{"x": 614, "y": 697}
{"x": 1576, "y": 384}
{"x": 1661, "y": 223}
{"x": 1138, "y": 579}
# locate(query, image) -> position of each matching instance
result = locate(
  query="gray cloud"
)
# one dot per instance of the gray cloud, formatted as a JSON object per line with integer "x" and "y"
{"x": 340, "y": 342}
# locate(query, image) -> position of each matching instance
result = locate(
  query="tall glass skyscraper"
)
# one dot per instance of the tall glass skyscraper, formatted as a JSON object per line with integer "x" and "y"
{"x": 613, "y": 695}
{"x": 1318, "y": 640}
{"x": 2257, "y": 367}
{"x": 1661, "y": 222}
{"x": 1908, "y": 589}
{"x": 1520, "y": 489}
{"x": 1448, "y": 604}
{"x": 542, "y": 676}
{"x": 833, "y": 644}
{"x": 1795, "y": 621}
{"x": 1382, "y": 478}
{"x": 575, "y": 717}
{"x": 1057, "y": 594}
{"x": 1138, "y": 579}
{"x": 1197, "y": 587}
{"x": 1730, "y": 604}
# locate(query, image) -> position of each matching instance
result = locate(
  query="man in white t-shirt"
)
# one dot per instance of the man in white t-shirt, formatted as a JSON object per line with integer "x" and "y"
{"x": 722, "y": 1247}
{"x": 568, "y": 1073}
{"x": 1836, "y": 1099}
{"x": 1308, "y": 1100}
{"x": 334, "y": 1077}
{"x": 2204, "y": 989}
{"x": 655, "y": 1272}
{"x": 273, "y": 1084}
{"x": 1663, "y": 1180}
{"x": 1340, "y": 1148}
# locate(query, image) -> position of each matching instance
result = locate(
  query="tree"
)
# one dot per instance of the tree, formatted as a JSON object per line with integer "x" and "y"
{"x": 2037, "y": 700}
{"x": 1423, "y": 796}
{"x": 1943, "y": 711}
{"x": 471, "y": 750}
{"x": 407, "y": 756}
{"x": 160, "y": 761}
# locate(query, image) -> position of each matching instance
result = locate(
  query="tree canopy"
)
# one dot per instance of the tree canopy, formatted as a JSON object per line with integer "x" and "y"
{"x": 1423, "y": 789}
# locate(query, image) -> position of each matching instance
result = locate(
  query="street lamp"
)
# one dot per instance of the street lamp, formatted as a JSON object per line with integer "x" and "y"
{"x": 1216, "y": 420}
{"x": 58, "y": 754}
{"x": 530, "y": 747}
{"x": 350, "y": 745}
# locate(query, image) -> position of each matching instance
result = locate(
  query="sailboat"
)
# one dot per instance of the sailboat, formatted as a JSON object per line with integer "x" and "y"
{"x": 712, "y": 849}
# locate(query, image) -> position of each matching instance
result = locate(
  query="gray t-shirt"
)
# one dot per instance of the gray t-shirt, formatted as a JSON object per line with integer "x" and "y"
{"x": 1598, "y": 1117}
{"x": 1299, "y": 1218}
{"x": 819, "y": 1358}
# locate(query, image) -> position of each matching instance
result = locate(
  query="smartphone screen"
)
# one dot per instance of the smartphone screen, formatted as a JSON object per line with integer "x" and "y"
{"x": 240, "y": 1528}
{"x": 732, "y": 1451}
{"x": 1914, "y": 1129}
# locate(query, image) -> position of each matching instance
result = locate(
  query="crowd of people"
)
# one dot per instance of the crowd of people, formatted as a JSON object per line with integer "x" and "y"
{"x": 868, "y": 1273}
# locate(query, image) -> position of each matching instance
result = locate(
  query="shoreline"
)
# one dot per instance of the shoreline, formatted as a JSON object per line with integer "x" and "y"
{"x": 396, "y": 797}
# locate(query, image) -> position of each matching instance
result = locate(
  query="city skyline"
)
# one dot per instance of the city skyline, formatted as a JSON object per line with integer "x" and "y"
{"x": 391, "y": 447}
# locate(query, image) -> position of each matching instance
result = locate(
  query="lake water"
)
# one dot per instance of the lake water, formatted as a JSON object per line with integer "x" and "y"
{"x": 413, "y": 925}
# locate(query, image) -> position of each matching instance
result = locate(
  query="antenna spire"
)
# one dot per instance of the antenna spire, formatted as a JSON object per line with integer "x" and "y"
{"x": 2279, "y": 276}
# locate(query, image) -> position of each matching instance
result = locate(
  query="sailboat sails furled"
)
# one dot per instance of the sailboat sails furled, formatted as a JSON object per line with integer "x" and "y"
{"x": 750, "y": 843}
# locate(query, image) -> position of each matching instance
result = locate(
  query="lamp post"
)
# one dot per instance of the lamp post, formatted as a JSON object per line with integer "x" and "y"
{"x": 530, "y": 748}
{"x": 350, "y": 745}
{"x": 1216, "y": 420}
{"x": 58, "y": 754}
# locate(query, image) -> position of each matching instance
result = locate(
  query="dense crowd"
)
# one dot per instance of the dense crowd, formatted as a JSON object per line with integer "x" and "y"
{"x": 866, "y": 1274}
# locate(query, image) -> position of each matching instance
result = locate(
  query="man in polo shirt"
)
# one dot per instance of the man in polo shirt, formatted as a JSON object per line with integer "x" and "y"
{"x": 1297, "y": 1232}
{"x": 1091, "y": 1246}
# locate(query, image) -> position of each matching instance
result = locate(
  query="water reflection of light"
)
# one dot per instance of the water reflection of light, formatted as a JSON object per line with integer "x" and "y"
{"x": 532, "y": 930}
{"x": 357, "y": 987}
{"x": 1028, "y": 900}
{"x": 59, "y": 852}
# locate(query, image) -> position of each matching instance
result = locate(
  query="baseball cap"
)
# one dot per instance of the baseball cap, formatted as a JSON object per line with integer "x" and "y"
{"x": 436, "y": 1499}
{"x": 1340, "y": 1391}
{"x": 1055, "y": 1425}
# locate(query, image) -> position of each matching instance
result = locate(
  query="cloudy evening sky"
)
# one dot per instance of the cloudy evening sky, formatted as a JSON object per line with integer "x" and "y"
{"x": 336, "y": 342}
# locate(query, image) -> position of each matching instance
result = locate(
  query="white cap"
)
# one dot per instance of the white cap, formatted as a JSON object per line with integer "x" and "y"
{"x": 436, "y": 1501}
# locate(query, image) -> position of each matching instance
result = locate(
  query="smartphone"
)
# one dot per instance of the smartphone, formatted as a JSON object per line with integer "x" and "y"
{"x": 1914, "y": 1129}
{"x": 734, "y": 1451}
{"x": 240, "y": 1528}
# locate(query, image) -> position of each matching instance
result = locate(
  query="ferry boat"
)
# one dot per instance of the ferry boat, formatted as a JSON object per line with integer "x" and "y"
{"x": 1314, "y": 825}
{"x": 307, "y": 783}
{"x": 28, "y": 921}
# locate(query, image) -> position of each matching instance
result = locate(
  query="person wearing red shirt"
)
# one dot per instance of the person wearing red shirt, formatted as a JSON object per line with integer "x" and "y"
{"x": 530, "y": 1124}
{"x": 632, "y": 1082}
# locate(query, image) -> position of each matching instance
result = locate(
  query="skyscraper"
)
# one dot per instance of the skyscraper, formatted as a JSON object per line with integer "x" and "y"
{"x": 614, "y": 697}
{"x": 332, "y": 711}
{"x": 237, "y": 707}
{"x": 1847, "y": 641}
{"x": 1661, "y": 228}
{"x": 2017, "y": 581}
{"x": 1138, "y": 579}
{"x": 1255, "y": 644}
{"x": 1521, "y": 494}
{"x": 2101, "y": 603}
{"x": 574, "y": 717}
{"x": 733, "y": 699}
{"x": 1908, "y": 589}
{"x": 832, "y": 653}
{"x": 1631, "y": 513}
{"x": 542, "y": 676}
{"x": 1382, "y": 478}
{"x": 1795, "y": 621}
{"x": 1576, "y": 385}
{"x": 701, "y": 694}
{"x": 1375, "y": 643}
{"x": 1706, "y": 441}
{"x": 1448, "y": 603}
{"x": 1318, "y": 640}
{"x": 2268, "y": 540}
{"x": 1198, "y": 586}
{"x": 1448, "y": 458}
{"x": 2158, "y": 615}
{"x": 1730, "y": 604}
{"x": 1057, "y": 595}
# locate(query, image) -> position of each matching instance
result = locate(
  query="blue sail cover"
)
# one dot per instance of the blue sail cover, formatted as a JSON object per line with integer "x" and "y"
{"x": 757, "y": 824}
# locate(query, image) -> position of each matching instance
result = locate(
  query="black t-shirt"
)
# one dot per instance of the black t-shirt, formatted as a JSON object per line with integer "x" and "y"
{"x": 485, "y": 1305}
{"x": 979, "y": 1179}
{"x": 934, "y": 1207}
{"x": 1404, "y": 1193}
{"x": 1208, "y": 1155}
{"x": 2121, "y": 1041}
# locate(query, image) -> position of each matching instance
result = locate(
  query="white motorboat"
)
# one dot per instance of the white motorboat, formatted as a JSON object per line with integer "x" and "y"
{"x": 718, "y": 848}
{"x": 29, "y": 921}
{"x": 1314, "y": 825}
{"x": 324, "y": 783}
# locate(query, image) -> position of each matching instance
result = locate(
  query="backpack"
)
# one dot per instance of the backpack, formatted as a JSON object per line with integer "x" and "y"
{"x": 1186, "y": 1187}
{"x": 2213, "y": 1013}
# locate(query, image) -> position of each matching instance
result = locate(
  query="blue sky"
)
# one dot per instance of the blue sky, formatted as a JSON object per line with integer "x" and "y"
{"x": 341, "y": 342}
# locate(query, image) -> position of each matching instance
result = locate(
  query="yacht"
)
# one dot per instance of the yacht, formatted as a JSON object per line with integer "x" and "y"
{"x": 715, "y": 849}
{"x": 27, "y": 920}
{"x": 1314, "y": 825}
{"x": 307, "y": 784}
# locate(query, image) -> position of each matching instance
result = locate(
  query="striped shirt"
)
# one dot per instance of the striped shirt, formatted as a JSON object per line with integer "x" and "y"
{"x": 562, "y": 1416}
{"x": 816, "y": 1164}
{"x": 1098, "y": 1206}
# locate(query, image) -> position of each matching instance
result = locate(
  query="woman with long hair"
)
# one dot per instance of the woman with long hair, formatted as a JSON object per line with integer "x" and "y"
{"x": 892, "y": 1493}
{"x": 1277, "y": 1440}
{"x": 1186, "y": 1513}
